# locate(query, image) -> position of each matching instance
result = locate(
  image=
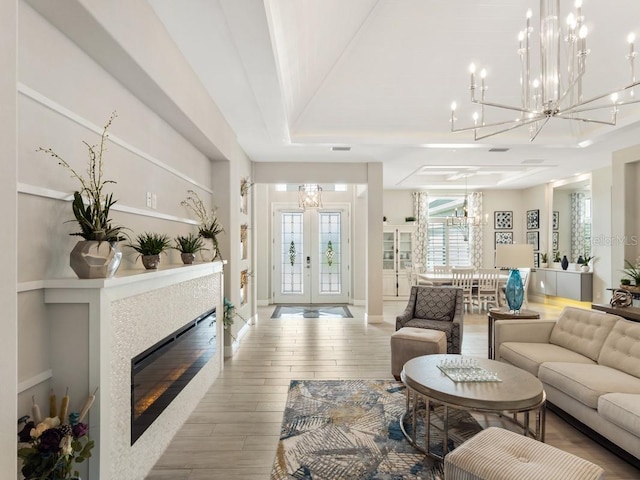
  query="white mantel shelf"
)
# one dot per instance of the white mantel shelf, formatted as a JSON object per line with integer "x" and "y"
{"x": 127, "y": 314}
{"x": 168, "y": 274}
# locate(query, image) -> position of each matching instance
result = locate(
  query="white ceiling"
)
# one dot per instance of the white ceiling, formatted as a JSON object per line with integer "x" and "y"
{"x": 296, "y": 77}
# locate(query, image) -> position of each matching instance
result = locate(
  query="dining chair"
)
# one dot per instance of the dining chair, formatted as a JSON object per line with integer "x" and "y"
{"x": 487, "y": 289}
{"x": 419, "y": 268}
{"x": 413, "y": 279}
{"x": 463, "y": 278}
{"x": 441, "y": 269}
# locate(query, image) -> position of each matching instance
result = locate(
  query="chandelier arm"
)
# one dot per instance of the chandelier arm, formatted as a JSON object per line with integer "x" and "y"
{"x": 587, "y": 120}
{"x": 495, "y": 124}
{"x": 539, "y": 129}
{"x": 500, "y": 105}
{"x": 604, "y": 95}
{"x": 598, "y": 107}
{"x": 513, "y": 127}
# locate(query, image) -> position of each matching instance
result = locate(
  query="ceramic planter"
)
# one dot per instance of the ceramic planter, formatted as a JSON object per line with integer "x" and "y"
{"x": 93, "y": 259}
{"x": 150, "y": 262}
{"x": 187, "y": 258}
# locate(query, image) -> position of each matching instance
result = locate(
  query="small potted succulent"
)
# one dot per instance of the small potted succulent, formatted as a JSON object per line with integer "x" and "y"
{"x": 150, "y": 246}
{"x": 544, "y": 260}
{"x": 188, "y": 247}
{"x": 584, "y": 265}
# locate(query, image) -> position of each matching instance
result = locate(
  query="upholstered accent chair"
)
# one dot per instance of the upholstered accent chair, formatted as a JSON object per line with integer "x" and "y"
{"x": 436, "y": 308}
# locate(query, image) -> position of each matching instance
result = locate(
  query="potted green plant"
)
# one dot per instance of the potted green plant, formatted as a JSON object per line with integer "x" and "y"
{"x": 544, "y": 260}
{"x": 188, "y": 246}
{"x": 150, "y": 246}
{"x": 633, "y": 271}
{"x": 556, "y": 260}
{"x": 209, "y": 227}
{"x": 97, "y": 256}
{"x": 584, "y": 266}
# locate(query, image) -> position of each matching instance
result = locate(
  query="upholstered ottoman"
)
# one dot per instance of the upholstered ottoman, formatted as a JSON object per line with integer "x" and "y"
{"x": 411, "y": 342}
{"x": 499, "y": 454}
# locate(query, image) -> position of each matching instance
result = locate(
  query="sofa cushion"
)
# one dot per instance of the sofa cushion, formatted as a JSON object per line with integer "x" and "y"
{"x": 621, "y": 349}
{"x": 436, "y": 304}
{"x": 529, "y": 356}
{"x": 583, "y": 331}
{"x": 621, "y": 409}
{"x": 586, "y": 383}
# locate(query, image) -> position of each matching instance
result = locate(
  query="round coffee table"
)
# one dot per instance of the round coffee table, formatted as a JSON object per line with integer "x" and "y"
{"x": 517, "y": 392}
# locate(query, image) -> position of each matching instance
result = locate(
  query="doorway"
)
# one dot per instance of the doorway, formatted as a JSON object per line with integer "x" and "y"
{"x": 311, "y": 255}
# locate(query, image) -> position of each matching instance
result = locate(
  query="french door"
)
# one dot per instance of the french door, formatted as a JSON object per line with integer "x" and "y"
{"x": 311, "y": 255}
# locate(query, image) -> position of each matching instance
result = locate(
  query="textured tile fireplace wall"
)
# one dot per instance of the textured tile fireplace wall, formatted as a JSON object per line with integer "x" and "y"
{"x": 126, "y": 316}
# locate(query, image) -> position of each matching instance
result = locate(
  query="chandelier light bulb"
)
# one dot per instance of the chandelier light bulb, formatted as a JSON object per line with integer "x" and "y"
{"x": 578, "y": 3}
{"x": 483, "y": 73}
{"x": 521, "y": 36}
{"x": 631, "y": 37}
{"x": 454, "y": 105}
{"x": 582, "y": 33}
{"x": 536, "y": 83}
{"x": 614, "y": 97}
{"x": 571, "y": 21}
{"x": 472, "y": 68}
{"x": 475, "y": 116}
{"x": 529, "y": 13}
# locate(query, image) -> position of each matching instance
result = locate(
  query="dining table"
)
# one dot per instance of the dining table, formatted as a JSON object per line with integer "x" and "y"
{"x": 440, "y": 279}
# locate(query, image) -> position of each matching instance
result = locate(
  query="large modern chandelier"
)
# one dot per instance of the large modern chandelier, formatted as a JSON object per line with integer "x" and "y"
{"x": 557, "y": 91}
{"x": 461, "y": 218}
{"x": 310, "y": 196}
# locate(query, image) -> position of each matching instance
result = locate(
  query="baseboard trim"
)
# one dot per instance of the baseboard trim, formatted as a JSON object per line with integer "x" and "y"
{"x": 373, "y": 318}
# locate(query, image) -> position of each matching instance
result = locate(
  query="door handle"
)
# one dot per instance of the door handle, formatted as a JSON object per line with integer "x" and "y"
{"x": 308, "y": 262}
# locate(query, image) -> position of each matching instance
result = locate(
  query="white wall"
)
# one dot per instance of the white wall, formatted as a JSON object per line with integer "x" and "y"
{"x": 398, "y": 204}
{"x": 625, "y": 234}
{"x": 161, "y": 142}
{"x": 601, "y": 247}
{"x": 8, "y": 209}
{"x": 144, "y": 155}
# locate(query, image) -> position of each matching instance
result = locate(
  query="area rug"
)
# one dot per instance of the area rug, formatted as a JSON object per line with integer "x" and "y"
{"x": 350, "y": 429}
{"x": 311, "y": 311}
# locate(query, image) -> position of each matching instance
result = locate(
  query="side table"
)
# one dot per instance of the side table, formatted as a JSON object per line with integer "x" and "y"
{"x": 503, "y": 313}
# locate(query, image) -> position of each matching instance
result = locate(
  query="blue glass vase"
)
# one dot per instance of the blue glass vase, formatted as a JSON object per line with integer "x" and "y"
{"x": 514, "y": 291}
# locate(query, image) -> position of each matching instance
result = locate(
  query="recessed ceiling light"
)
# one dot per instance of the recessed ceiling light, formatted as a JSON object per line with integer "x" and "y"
{"x": 340, "y": 149}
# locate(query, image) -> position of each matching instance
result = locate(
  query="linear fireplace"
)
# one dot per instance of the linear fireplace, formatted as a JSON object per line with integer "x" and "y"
{"x": 160, "y": 373}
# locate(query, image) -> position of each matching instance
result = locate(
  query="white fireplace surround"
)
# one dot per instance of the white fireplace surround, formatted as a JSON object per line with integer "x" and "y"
{"x": 116, "y": 319}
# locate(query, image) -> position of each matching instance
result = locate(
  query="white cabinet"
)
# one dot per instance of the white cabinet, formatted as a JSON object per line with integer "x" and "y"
{"x": 397, "y": 254}
{"x": 563, "y": 283}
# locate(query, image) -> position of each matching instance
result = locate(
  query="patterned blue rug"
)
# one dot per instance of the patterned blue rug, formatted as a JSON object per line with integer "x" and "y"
{"x": 311, "y": 311}
{"x": 349, "y": 429}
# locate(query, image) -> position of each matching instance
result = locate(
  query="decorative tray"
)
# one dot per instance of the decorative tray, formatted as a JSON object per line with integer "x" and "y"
{"x": 467, "y": 371}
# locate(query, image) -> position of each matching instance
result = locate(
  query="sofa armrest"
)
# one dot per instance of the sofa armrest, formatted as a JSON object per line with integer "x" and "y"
{"x": 529, "y": 331}
{"x": 404, "y": 318}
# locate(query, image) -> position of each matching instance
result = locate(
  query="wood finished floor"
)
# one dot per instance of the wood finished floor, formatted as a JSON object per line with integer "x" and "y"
{"x": 233, "y": 433}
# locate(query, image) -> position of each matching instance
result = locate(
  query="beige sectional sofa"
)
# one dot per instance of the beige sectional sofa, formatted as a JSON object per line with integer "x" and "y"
{"x": 589, "y": 364}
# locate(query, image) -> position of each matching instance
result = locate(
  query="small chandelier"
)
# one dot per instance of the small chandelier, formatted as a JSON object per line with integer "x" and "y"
{"x": 310, "y": 196}
{"x": 545, "y": 97}
{"x": 461, "y": 218}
